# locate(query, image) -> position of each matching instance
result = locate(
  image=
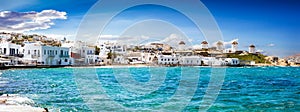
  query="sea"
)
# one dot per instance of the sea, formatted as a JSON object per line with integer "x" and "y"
{"x": 187, "y": 89}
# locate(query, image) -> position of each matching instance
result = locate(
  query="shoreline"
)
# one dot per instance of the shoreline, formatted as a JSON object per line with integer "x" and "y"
{"x": 121, "y": 66}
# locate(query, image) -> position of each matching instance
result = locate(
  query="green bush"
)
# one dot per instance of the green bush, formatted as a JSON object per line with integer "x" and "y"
{"x": 258, "y": 58}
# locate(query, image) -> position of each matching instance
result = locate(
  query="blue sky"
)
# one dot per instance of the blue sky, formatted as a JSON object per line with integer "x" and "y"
{"x": 272, "y": 25}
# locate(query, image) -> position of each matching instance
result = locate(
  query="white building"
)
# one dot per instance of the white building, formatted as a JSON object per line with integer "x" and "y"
{"x": 107, "y": 47}
{"x": 167, "y": 59}
{"x": 232, "y": 61}
{"x": 147, "y": 57}
{"x": 181, "y": 46}
{"x": 5, "y": 36}
{"x": 148, "y": 46}
{"x": 134, "y": 58}
{"x": 81, "y": 52}
{"x": 220, "y": 46}
{"x": 212, "y": 61}
{"x": 251, "y": 49}
{"x": 234, "y": 46}
{"x": 190, "y": 60}
{"x": 46, "y": 55}
{"x": 9, "y": 49}
{"x": 89, "y": 53}
{"x": 204, "y": 44}
{"x": 120, "y": 60}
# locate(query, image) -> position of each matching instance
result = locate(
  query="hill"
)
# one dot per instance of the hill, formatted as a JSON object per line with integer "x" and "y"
{"x": 295, "y": 58}
{"x": 258, "y": 58}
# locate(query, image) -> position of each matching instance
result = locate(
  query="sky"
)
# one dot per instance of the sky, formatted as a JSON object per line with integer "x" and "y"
{"x": 273, "y": 26}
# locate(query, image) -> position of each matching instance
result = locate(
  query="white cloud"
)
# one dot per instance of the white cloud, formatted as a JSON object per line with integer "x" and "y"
{"x": 174, "y": 40}
{"x": 59, "y": 37}
{"x": 197, "y": 47}
{"x": 230, "y": 42}
{"x": 28, "y": 21}
{"x": 124, "y": 39}
{"x": 271, "y": 45}
{"x": 259, "y": 50}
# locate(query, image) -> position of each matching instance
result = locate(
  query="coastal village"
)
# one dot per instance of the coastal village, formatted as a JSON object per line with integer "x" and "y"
{"x": 18, "y": 50}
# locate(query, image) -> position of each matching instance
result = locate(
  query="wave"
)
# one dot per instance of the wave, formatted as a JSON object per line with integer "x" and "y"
{"x": 14, "y": 102}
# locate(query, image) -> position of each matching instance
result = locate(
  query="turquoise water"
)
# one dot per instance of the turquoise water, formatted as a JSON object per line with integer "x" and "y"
{"x": 244, "y": 89}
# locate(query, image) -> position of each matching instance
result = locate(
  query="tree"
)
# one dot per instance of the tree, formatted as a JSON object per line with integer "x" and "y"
{"x": 136, "y": 48}
{"x": 109, "y": 55}
{"x": 25, "y": 37}
{"x": 97, "y": 50}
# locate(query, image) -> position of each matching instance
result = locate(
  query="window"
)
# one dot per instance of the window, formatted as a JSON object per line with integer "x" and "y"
{"x": 28, "y": 51}
{"x": 66, "y": 60}
{"x": 4, "y": 50}
{"x": 55, "y": 52}
{"x": 45, "y": 52}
